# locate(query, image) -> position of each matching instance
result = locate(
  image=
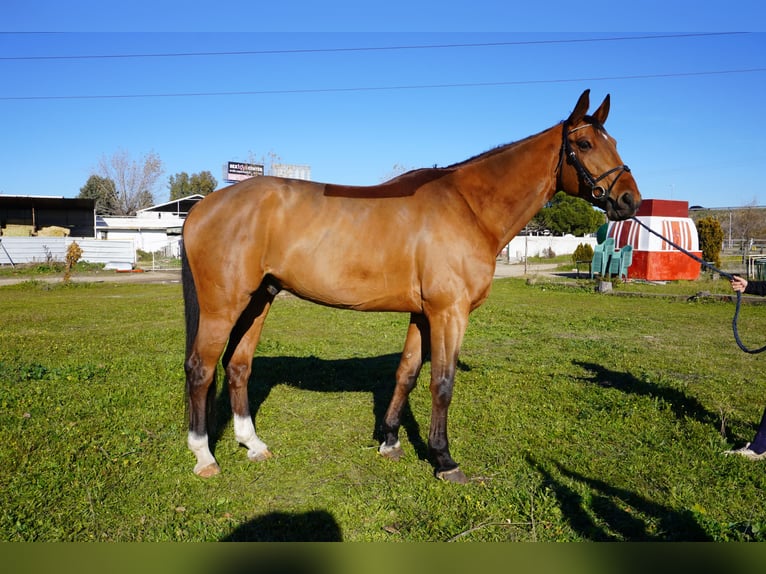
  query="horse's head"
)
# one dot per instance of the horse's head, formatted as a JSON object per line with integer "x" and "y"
{"x": 590, "y": 166}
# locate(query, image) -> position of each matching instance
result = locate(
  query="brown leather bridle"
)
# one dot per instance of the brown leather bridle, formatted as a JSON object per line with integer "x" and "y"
{"x": 598, "y": 191}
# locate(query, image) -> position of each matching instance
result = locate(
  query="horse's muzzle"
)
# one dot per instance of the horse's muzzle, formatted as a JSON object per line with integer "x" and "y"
{"x": 623, "y": 206}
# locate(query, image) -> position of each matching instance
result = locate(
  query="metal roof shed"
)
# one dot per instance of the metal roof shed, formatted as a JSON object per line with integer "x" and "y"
{"x": 77, "y": 215}
{"x": 178, "y": 207}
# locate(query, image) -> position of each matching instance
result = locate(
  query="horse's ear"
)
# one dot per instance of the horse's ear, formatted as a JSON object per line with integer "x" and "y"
{"x": 580, "y": 109}
{"x": 602, "y": 112}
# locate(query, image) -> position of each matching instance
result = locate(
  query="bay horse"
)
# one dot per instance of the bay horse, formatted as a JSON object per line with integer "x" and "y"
{"x": 423, "y": 243}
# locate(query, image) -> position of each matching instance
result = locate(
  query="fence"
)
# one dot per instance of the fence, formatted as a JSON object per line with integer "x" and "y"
{"x": 18, "y": 250}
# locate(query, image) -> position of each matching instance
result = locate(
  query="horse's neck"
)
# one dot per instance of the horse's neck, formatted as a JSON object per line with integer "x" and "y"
{"x": 507, "y": 189}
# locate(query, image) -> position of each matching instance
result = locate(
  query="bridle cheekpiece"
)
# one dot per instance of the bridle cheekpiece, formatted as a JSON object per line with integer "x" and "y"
{"x": 598, "y": 191}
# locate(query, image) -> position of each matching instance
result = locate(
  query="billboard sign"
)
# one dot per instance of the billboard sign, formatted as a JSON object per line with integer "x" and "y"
{"x": 292, "y": 171}
{"x": 238, "y": 171}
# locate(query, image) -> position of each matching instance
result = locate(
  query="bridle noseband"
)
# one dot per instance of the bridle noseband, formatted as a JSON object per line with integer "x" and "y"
{"x": 597, "y": 191}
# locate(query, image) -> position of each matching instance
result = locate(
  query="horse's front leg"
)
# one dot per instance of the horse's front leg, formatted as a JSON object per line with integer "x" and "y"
{"x": 447, "y": 331}
{"x": 237, "y": 362}
{"x": 415, "y": 351}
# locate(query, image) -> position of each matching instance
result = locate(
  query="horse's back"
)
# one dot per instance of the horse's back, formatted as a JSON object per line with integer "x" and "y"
{"x": 283, "y": 212}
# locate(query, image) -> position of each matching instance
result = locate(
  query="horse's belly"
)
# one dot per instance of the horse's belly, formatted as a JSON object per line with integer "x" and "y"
{"x": 353, "y": 287}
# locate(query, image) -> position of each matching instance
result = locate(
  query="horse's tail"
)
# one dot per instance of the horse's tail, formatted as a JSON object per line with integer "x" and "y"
{"x": 191, "y": 303}
{"x": 191, "y": 315}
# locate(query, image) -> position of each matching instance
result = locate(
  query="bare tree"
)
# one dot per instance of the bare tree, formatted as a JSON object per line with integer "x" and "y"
{"x": 396, "y": 170}
{"x": 267, "y": 161}
{"x": 134, "y": 180}
{"x": 748, "y": 222}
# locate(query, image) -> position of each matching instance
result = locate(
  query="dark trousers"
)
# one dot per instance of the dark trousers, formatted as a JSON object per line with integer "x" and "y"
{"x": 759, "y": 442}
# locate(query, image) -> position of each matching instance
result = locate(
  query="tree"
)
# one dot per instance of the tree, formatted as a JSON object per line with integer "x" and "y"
{"x": 536, "y": 225}
{"x": 267, "y": 161}
{"x": 179, "y": 186}
{"x": 103, "y": 190}
{"x": 566, "y": 214}
{"x": 711, "y": 239}
{"x": 134, "y": 181}
{"x": 748, "y": 222}
{"x": 182, "y": 184}
{"x": 396, "y": 170}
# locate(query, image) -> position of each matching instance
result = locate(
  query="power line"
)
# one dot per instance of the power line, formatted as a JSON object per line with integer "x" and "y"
{"x": 383, "y": 88}
{"x": 367, "y": 49}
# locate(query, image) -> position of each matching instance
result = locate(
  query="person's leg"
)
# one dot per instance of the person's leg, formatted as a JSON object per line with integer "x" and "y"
{"x": 758, "y": 445}
{"x": 755, "y": 450}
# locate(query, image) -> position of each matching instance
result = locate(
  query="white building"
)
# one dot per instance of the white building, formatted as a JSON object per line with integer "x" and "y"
{"x": 154, "y": 229}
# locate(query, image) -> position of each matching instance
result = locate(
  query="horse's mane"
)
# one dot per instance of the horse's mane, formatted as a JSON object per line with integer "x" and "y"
{"x": 409, "y": 182}
{"x": 503, "y": 147}
{"x": 483, "y": 155}
{"x": 403, "y": 185}
{"x": 492, "y": 152}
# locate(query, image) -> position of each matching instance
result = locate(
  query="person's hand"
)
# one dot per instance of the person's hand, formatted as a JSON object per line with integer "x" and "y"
{"x": 738, "y": 284}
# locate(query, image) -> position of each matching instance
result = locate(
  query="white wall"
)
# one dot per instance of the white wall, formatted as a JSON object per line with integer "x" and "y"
{"x": 534, "y": 246}
{"x": 148, "y": 231}
{"x": 148, "y": 240}
{"x": 41, "y": 249}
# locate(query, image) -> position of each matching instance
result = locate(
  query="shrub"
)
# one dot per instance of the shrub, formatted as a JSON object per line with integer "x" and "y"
{"x": 548, "y": 253}
{"x": 710, "y": 239}
{"x": 73, "y": 254}
{"x": 584, "y": 252}
{"x": 143, "y": 255}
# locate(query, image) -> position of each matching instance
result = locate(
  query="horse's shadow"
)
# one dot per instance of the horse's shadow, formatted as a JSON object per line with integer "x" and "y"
{"x": 374, "y": 375}
{"x": 313, "y": 526}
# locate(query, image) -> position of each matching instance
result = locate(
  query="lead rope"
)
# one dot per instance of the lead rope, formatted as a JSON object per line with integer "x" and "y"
{"x": 715, "y": 270}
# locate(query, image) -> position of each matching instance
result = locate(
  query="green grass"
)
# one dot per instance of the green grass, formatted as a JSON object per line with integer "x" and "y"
{"x": 577, "y": 416}
{"x": 47, "y": 269}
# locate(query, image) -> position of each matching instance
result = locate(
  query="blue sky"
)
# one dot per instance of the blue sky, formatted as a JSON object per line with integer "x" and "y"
{"x": 687, "y": 103}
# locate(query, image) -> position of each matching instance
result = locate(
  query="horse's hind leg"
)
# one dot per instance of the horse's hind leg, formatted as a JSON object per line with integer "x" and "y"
{"x": 238, "y": 364}
{"x": 200, "y": 375}
{"x": 415, "y": 350}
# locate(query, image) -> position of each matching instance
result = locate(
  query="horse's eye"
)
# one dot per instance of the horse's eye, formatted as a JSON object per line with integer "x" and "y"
{"x": 583, "y": 145}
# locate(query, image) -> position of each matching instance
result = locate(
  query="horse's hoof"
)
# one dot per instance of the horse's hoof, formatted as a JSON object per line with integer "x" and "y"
{"x": 260, "y": 455}
{"x": 394, "y": 452}
{"x": 208, "y": 471}
{"x": 454, "y": 475}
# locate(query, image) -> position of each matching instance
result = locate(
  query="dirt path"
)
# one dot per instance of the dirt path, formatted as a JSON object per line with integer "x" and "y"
{"x": 174, "y": 276}
{"x": 517, "y": 269}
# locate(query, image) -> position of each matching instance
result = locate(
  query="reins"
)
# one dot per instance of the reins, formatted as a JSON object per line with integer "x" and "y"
{"x": 715, "y": 270}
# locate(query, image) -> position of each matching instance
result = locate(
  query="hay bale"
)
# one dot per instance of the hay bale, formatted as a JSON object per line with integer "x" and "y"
{"x": 15, "y": 230}
{"x": 53, "y": 231}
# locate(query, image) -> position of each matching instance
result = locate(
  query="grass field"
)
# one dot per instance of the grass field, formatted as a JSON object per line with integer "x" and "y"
{"x": 576, "y": 415}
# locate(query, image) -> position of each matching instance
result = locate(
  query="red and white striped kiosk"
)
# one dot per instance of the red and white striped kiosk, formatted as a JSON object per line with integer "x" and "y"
{"x": 653, "y": 258}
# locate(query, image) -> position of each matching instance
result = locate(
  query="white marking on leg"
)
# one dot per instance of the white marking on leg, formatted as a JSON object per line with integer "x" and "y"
{"x": 244, "y": 432}
{"x": 198, "y": 444}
